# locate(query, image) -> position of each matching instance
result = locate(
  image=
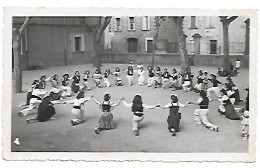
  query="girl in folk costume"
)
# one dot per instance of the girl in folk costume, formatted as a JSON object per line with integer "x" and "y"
{"x": 150, "y": 80}
{"x": 46, "y": 111}
{"x": 214, "y": 87}
{"x": 29, "y": 95}
{"x": 237, "y": 66}
{"x": 85, "y": 80}
{"x": 186, "y": 81}
{"x": 42, "y": 83}
{"x": 198, "y": 86}
{"x": 117, "y": 74}
{"x": 175, "y": 80}
{"x": 137, "y": 107}
{"x": 226, "y": 108}
{"x": 131, "y": 64}
{"x": 200, "y": 115}
{"x": 245, "y": 125}
{"x": 77, "y": 109}
{"x": 97, "y": 78}
{"x": 130, "y": 74}
{"x": 75, "y": 83}
{"x": 139, "y": 65}
{"x": 174, "y": 115}
{"x": 235, "y": 94}
{"x": 35, "y": 100}
{"x": 205, "y": 84}
{"x": 141, "y": 76}
{"x": 166, "y": 78}
{"x": 106, "y": 81}
{"x": 157, "y": 79}
{"x": 106, "y": 120}
{"x": 64, "y": 85}
{"x": 55, "y": 92}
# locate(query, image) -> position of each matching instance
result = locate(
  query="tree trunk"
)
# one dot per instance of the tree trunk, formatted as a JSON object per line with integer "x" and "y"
{"x": 226, "y": 63}
{"x": 17, "y": 64}
{"x": 97, "y": 49}
{"x": 182, "y": 44}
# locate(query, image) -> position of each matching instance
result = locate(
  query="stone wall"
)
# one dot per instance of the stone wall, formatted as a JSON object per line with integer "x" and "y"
{"x": 171, "y": 59}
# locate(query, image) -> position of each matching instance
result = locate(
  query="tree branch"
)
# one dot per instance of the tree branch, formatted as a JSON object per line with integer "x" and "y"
{"x": 103, "y": 27}
{"x": 98, "y": 24}
{"x": 86, "y": 25}
{"x": 23, "y": 26}
{"x": 231, "y": 19}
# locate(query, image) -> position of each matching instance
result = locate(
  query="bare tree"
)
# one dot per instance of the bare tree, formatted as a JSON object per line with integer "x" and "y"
{"x": 17, "y": 34}
{"x": 181, "y": 39}
{"x": 96, "y": 34}
{"x": 225, "y": 23}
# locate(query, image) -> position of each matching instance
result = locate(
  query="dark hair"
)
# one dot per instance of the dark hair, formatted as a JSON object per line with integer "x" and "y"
{"x": 43, "y": 76}
{"x": 174, "y": 69}
{"x": 87, "y": 71}
{"x": 149, "y": 67}
{"x": 76, "y": 72}
{"x": 66, "y": 75}
{"x": 223, "y": 91}
{"x": 203, "y": 93}
{"x": 80, "y": 95}
{"x": 137, "y": 103}
{"x": 107, "y": 97}
{"x": 55, "y": 77}
{"x": 174, "y": 98}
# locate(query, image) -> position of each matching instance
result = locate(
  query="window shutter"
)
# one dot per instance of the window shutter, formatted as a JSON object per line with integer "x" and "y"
{"x": 73, "y": 43}
{"x": 115, "y": 25}
{"x": 148, "y": 21}
{"x": 134, "y": 24}
{"x": 129, "y": 24}
{"x": 83, "y": 43}
{"x": 143, "y": 23}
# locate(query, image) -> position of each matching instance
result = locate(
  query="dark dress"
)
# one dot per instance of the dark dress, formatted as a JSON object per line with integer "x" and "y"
{"x": 174, "y": 118}
{"x": 45, "y": 110}
{"x": 230, "y": 111}
{"x": 106, "y": 119}
{"x": 75, "y": 84}
{"x": 55, "y": 96}
{"x": 29, "y": 95}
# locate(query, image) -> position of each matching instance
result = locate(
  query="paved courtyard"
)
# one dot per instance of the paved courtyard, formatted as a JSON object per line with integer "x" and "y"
{"x": 59, "y": 135}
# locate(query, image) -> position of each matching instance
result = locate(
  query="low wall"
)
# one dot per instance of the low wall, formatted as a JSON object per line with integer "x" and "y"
{"x": 173, "y": 59}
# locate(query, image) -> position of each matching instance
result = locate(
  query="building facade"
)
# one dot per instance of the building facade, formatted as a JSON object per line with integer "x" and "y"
{"x": 55, "y": 41}
{"x": 136, "y": 34}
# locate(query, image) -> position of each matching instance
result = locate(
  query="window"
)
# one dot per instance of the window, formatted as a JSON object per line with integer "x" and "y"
{"x": 193, "y": 22}
{"x": 149, "y": 45}
{"x": 131, "y": 23}
{"x": 78, "y": 43}
{"x": 146, "y": 23}
{"x": 213, "y": 46}
{"x": 211, "y": 22}
{"x": 118, "y": 25}
{"x": 132, "y": 45}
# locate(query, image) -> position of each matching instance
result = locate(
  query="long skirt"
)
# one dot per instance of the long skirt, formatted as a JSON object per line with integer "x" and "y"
{"x": 106, "y": 121}
{"x": 174, "y": 121}
{"x": 231, "y": 113}
{"x": 74, "y": 87}
{"x": 29, "y": 95}
{"x": 56, "y": 96}
{"x": 45, "y": 114}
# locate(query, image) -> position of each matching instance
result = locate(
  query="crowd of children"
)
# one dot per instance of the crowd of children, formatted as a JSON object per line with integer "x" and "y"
{"x": 227, "y": 93}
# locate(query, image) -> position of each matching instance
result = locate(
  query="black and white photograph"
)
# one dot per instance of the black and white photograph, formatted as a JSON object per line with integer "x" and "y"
{"x": 130, "y": 83}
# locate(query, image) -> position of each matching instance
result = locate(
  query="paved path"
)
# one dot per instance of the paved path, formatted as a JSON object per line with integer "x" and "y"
{"x": 59, "y": 135}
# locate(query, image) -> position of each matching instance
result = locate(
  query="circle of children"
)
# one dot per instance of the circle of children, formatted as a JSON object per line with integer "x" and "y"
{"x": 227, "y": 93}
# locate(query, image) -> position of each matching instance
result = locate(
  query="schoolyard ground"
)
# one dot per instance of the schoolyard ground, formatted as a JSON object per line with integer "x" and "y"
{"x": 60, "y": 135}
